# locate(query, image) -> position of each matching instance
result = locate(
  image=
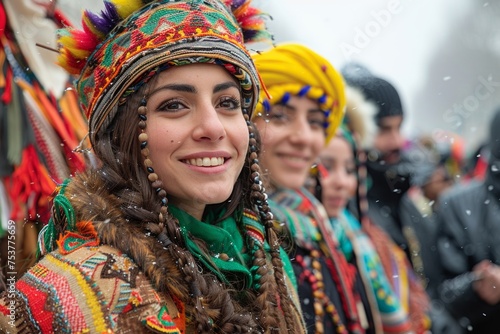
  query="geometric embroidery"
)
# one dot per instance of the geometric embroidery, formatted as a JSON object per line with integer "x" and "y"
{"x": 121, "y": 267}
{"x": 86, "y": 236}
{"x": 161, "y": 323}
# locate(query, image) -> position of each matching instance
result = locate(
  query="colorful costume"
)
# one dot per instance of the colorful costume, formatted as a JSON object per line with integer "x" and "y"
{"x": 329, "y": 287}
{"x": 87, "y": 284}
{"x": 389, "y": 281}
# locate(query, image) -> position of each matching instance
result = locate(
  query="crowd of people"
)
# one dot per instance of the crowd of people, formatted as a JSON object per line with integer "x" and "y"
{"x": 221, "y": 190}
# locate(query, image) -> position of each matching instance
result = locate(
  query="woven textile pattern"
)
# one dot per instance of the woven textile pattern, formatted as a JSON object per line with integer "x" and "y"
{"x": 88, "y": 290}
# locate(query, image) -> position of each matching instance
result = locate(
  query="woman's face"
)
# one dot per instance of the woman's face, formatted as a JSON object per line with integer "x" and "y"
{"x": 292, "y": 138}
{"x": 340, "y": 183}
{"x": 197, "y": 136}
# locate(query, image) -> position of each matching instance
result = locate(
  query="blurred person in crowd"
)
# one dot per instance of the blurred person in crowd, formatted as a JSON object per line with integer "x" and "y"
{"x": 469, "y": 246}
{"x": 388, "y": 167}
{"x": 304, "y": 106}
{"x": 433, "y": 173}
{"x": 401, "y": 303}
{"x": 437, "y": 166}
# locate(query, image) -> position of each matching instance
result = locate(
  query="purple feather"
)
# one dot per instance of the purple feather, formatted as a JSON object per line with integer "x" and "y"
{"x": 111, "y": 14}
{"x": 237, "y": 3}
{"x": 100, "y": 23}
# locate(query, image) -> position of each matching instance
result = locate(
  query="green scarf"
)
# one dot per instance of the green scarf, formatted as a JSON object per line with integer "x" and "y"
{"x": 229, "y": 237}
{"x": 221, "y": 237}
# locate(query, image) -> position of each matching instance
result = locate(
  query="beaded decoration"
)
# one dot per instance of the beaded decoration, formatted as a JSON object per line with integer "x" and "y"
{"x": 321, "y": 301}
{"x": 258, "y": 190}
{"x": 307, "y": 92}
{"x": 156, "y": 183}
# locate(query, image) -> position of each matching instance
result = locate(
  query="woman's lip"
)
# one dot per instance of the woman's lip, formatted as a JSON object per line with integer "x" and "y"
{"x": 336, "y": 201}
{"x": 295, "y": 162}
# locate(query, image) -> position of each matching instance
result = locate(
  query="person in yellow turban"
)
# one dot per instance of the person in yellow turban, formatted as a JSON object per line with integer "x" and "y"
{"x": 298, "y": 113}
{"x": 293, "y": 69}
{"x": 342, "y": 285}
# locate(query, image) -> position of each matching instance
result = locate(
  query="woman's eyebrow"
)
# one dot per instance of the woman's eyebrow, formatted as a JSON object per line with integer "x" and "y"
{"x": 177, "y": 87}
{"x": 191, "y": 89}
{"x": 225, "y": 85}
{"x": 315, "y": 110}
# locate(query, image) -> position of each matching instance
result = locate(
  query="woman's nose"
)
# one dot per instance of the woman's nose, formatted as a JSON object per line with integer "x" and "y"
{"x": 300, "y": 130}
{"x": 209, "y": 125}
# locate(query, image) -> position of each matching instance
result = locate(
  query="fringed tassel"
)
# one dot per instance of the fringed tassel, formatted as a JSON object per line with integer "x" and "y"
{"x": 63, "y": 214}
{"x": 31, "y": 184}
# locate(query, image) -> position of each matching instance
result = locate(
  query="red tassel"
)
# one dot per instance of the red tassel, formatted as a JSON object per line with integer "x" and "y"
{"x": 31, "y": 187}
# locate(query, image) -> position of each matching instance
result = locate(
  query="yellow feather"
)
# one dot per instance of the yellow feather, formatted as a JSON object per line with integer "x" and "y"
{"x": 127, "y": 7}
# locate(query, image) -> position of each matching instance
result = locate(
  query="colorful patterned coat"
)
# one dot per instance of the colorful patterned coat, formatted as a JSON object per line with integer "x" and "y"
{"x": 88, "y": 289}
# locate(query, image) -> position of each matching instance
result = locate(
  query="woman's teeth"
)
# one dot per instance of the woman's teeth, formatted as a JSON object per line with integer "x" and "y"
{"x": 205, "y": 162}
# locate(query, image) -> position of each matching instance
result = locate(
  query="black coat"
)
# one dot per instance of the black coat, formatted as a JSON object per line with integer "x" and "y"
{"x": 469, "y": 233}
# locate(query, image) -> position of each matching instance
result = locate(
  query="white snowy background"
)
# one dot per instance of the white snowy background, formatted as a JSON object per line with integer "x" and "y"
{"x": 443, "y": 56}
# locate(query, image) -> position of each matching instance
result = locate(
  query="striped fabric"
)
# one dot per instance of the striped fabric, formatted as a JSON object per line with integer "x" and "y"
{"x": 88, "y": 290}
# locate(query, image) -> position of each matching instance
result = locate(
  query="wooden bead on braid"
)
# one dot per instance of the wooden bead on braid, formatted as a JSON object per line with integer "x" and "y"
{"x": 152, "y": 176}
{"x": 322, "y": 303}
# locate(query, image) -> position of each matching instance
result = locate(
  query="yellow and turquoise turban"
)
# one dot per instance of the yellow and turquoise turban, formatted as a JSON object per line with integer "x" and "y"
{"x": 297, "y": 70}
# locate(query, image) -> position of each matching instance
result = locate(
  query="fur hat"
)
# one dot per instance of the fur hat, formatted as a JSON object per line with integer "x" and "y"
{"x": 359, "y": 117}
{"x": 131, "y": 40}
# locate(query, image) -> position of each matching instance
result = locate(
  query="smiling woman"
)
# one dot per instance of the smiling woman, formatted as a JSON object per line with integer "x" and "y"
{"x": 208, "y": 135}
{"x": 171, "y": 231}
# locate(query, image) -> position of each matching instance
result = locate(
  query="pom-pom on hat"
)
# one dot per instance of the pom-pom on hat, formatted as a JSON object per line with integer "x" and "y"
{"x": 297, "y": 70}
{"x": 132, "y": 39}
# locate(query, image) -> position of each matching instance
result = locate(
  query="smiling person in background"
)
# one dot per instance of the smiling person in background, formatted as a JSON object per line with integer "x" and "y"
{"x": 400, "y": 301}
{"x": 171, "y": 232}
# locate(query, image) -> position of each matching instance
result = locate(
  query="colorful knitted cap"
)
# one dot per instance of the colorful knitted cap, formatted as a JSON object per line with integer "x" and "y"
{"x": 130, "y": 40}
{"x": 297, "y": 70}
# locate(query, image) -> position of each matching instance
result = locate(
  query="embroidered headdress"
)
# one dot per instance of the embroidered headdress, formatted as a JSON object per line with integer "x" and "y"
{"x": 294, "y": 69}
{"x": 131, "y": 40}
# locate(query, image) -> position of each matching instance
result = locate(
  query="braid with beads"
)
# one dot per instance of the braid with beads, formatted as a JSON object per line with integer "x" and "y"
{"x": 265, "y": 299}
{"x": 259, "y": 198}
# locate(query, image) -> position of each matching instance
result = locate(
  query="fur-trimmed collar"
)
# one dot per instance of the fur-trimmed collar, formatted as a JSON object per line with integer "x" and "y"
{"x": 92, "y": 200}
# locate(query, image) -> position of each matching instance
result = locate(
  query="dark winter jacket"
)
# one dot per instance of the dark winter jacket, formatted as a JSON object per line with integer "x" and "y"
{"x": 387, "y": 185}
{"x": 469, "y": 233}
